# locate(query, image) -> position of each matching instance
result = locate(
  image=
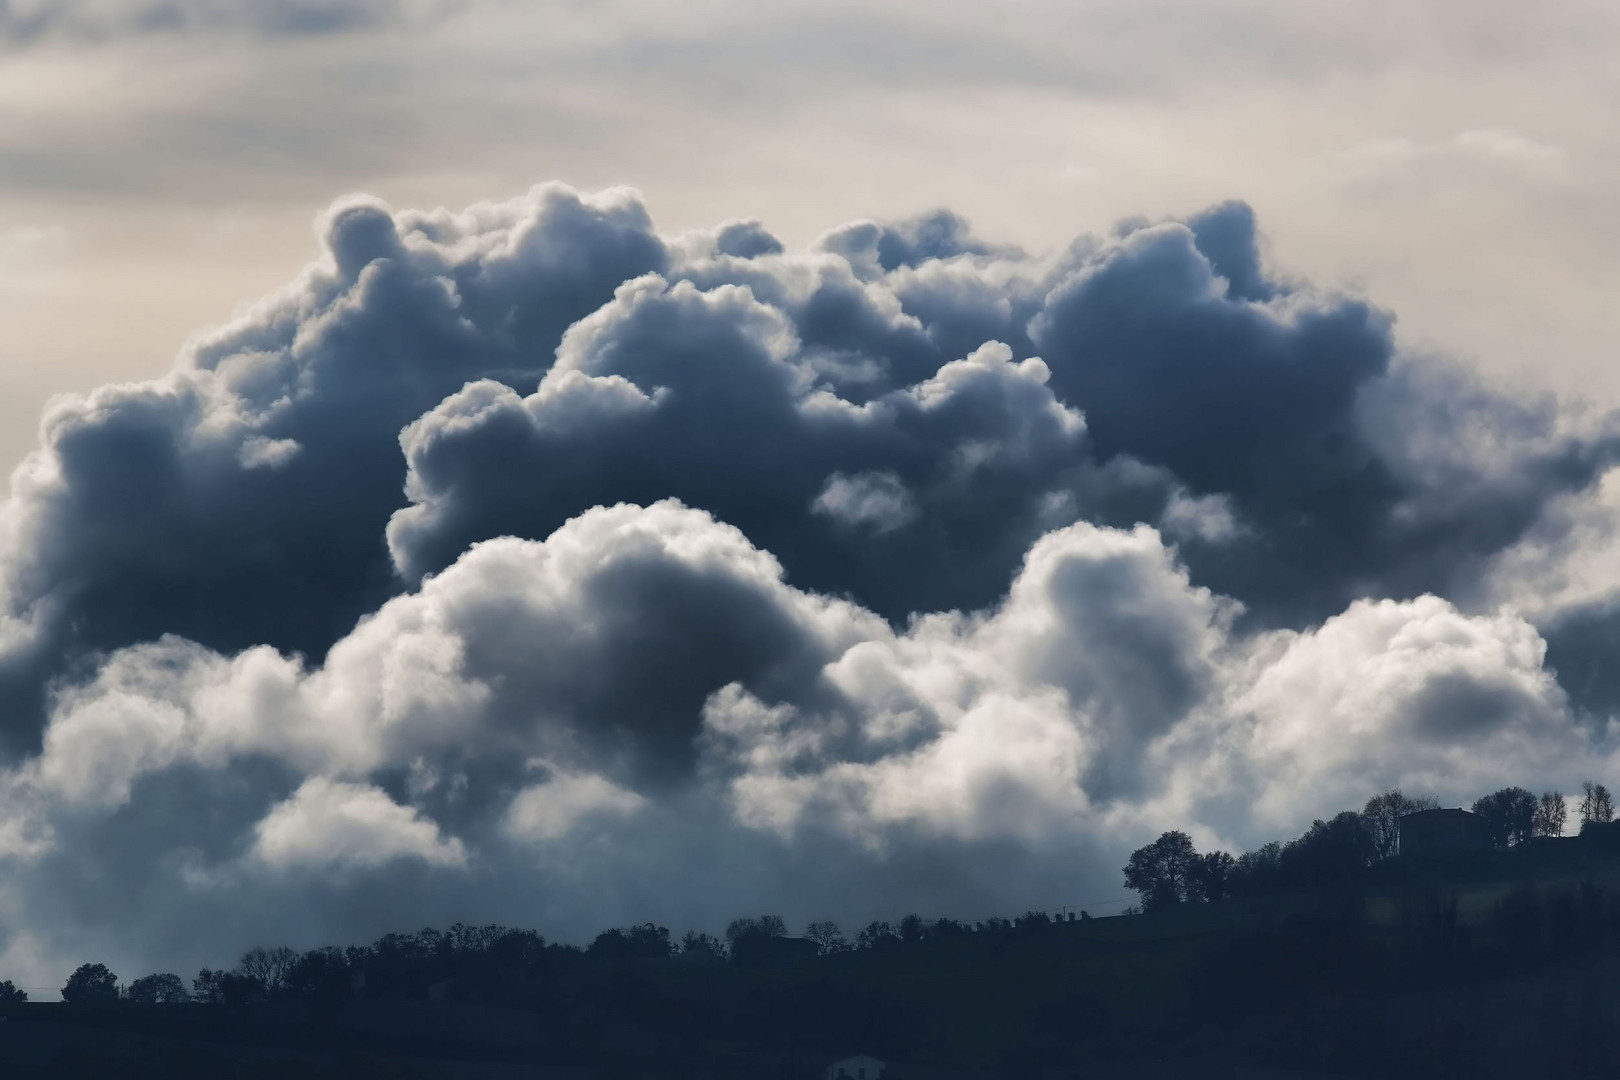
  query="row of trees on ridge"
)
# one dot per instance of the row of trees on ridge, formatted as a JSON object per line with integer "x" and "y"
{"x": 495, "y": 962}
{"x": 1171, "y": 870}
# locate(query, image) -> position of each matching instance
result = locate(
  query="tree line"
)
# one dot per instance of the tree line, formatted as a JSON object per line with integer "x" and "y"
{"x": 503, "y": 963}
{"x": 1171, "y": 871}
{"x": 499, "y": 963}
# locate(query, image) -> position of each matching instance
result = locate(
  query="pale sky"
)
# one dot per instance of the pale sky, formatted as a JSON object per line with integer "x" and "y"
{"x": 160, "y": 163}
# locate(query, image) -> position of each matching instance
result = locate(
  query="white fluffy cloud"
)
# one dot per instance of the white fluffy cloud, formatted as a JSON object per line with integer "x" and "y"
{"x": 550, "y": 810}
{"x": 877, "y": 500}
{"x": 1402, "y": 693}
{"x": 328, "y": 824}
{"x": 473, "y": 725}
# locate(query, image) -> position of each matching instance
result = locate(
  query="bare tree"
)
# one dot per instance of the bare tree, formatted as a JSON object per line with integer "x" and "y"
{"x": 828, "y": 938}
{"x": 1597, "y": 806}
{"x": 1382, "y": 818}
{"x": 1551, "y": 813}
{"x": 269, "y": 966}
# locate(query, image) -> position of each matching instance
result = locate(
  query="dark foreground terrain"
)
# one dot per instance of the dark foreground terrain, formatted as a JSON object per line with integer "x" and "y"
{"x": 1502, "y": 966}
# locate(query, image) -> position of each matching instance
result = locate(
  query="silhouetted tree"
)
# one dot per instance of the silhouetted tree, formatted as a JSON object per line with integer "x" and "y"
{"x": 644, "y": 942}
{"x": 225, "y": 987}
{"x": 91, "y": 982}
{"x": 700, "y": 946}
{"x": 878, "y": 935}
{"x": 11, "y": 995}
{"x": 1509, "y": 815}
{"x": 752, "y": 940}
{"x": 766, "y": 926}
{"x": 1257, "y": 872}
{"x": 164, "y": 989}
{"x": 828, "y": 938}
{"x": 1382, "y": 819}
{"x": 1161, "y": 871}
{"x": 319, "y": 973}
{"x": 1551, "y": 813}
{"x": 1032, "y": 920}
{"x": 268, "y": 967}
{"x": 1330, "y": 852}
{"x": 1597, "y": 806}
{"x": 205, "y": 987}
{"x": 1210, "y": 875}
{"x": 912, "y": 929}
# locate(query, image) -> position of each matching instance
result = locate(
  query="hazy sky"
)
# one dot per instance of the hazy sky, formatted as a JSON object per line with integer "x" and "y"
{"x": 595, "y": 462}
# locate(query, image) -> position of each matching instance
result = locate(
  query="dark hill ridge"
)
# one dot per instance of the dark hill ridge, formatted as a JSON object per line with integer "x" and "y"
{"x": 1500, "y": 965}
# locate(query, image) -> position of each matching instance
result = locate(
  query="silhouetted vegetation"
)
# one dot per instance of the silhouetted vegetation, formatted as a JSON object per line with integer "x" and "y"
{"x": 91, "y": 982}
{"x": 1597, "y": 805}
{"x": 1328, "y": 953}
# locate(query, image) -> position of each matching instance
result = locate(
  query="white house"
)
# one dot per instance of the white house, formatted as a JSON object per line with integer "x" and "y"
{"x": 859, "y": 1067}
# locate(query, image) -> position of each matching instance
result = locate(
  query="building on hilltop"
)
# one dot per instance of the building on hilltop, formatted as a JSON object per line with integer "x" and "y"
{"x": 1440, "y": 834}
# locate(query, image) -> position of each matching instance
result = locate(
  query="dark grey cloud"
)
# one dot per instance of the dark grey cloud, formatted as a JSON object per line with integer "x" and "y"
{"x": 265, "y": 467}
{"x": 771, "y": 389}
{"x": 1358, "y": 476}
{"x": 670, "y": 391}
{"x": 1279, "y": 400}
{"x": 523, "y": 552}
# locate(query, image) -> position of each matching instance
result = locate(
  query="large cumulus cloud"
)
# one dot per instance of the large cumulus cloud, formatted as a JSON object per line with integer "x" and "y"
{"x": 523, "y": 563}
{"x": 567, "y": 727}
{"x": 241, "y": 499}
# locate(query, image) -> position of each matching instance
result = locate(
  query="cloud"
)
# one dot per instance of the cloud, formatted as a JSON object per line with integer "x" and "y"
{"x": 266, "y": 465}
{"x": 659, "y": 368}
{"x": 551, "y": 810}
{"x": 525, "y": 552}
{"x": 327, "y": 824}
{"x": 520, "y": 647}
{"x": 260, "y": 453}
{"x": 1412, "y": 690}
{"x": 876, "y": 500}
{"x": 1018, "y": 721}
{"x": 515, "y": 721}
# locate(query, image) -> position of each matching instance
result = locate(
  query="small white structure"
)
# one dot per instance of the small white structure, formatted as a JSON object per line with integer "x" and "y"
{"x": 859, "y": 1067}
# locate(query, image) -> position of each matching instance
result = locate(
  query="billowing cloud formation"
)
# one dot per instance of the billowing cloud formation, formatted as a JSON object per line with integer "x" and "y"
{"x": 565, "y": 572}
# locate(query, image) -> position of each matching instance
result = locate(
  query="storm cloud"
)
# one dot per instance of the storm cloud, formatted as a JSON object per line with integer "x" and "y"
{"x": 526, "y": 563}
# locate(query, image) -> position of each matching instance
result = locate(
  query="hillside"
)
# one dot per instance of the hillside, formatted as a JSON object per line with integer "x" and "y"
{"x": 1496, "y": 967}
